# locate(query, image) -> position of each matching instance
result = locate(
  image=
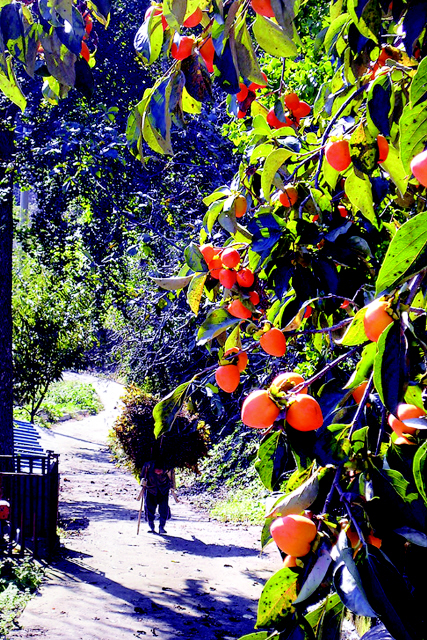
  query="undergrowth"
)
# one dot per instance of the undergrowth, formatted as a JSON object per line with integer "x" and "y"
{"x": 19, "y": 579}
{"x": 228, "y": 486}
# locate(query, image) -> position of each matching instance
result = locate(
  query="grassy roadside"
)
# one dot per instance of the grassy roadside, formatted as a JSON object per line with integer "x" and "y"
{"x": 65, "y": 399}
{"x": 19, "y": 580}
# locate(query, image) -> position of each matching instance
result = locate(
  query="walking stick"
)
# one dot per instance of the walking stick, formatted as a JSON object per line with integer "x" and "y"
{"x": 141, "y": 496}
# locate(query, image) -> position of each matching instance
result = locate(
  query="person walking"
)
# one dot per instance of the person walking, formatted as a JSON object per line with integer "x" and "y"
{"x": 156, "y": 481}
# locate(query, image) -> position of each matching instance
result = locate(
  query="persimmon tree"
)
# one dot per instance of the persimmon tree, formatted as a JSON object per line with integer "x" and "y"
{"x": 54, "y": 42}
{"x": 334, "y": 232}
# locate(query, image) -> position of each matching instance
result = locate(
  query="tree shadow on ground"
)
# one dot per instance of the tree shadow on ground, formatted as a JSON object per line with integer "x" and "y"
{"x": 197, "y": 610}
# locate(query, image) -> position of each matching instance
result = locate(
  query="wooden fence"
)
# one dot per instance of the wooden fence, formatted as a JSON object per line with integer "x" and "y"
{"x": 31, "y": 484}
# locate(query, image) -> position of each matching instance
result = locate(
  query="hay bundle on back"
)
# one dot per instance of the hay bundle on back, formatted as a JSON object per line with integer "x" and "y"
{"x": 182, "y": 447}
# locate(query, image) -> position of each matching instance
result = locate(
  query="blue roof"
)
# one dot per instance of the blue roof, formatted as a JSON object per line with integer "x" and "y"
{"x": 26, "y": 443}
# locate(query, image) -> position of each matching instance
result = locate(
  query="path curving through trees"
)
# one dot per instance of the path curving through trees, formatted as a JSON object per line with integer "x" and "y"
{"x": 202, "y": 580}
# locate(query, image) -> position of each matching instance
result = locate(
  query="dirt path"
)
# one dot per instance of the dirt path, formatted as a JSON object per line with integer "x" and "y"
{"x": 201, "y": 580}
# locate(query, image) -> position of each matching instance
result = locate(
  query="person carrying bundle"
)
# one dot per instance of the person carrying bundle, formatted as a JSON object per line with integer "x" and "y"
{"x": 157, "y": 482}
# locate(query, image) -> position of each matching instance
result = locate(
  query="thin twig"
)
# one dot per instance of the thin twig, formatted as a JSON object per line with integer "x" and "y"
{"x": 361, "y": 406}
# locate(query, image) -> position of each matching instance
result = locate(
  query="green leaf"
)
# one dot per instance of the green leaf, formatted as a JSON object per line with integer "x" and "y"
{"x": 413, "y": 133}
{"x": 347, "y": 579}
{"x": 355, "y": 333}
{"x": 412, "y": 535}
{"x": 390, "y": 371}
{"x": 380, "y": 103}
{"x": 326, "y": 618}
{"x": 194, "y": 258}
{"x": 359, "y": 192}
{"x": 390, "y": 597}
{"x": 400, "y": 485}
{"x": 173, "y": 284}
{"x": 174, "y": 12}
{"x": 233, "y": 339}
{"x": 246, "y": 58}
{"x": 413, "y": 395}
{"x": 273, "y": 162}
{"x": 219, "y": 194}
{"x": 420, "y": 471}
{"x": 406, "y": 254}
{"x": 195, "y": 292}
{"x": 277, "y": 597}
{"x": 10, "y": 87}
{"x": 316, "y": 575}
{"x": 266, "y": 537}
{"x": 166, "y": 411}
{"x": 215, "y": 323}
{"x": 363, "y": 367}
{"x": 271, "y": 459}
{"x": 148, "y": 40}
{"x": 299, "y": 499}
{"x": 394, "y": 167}
{"x": 212, "y": 214}
{"x": 334, "y": 29}
{"x": 418, "y": 86}
{"x": 258, "y": 635}
{"x": 273, "y": 39}
{"x": 190, "y": 104}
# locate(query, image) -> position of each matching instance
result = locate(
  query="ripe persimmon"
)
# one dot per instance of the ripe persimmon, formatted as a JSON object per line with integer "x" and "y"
{"x": 215, "y": 266}
{"x": 243, "y": 93}
{"x": 308, "y": 312}
{"x": 255, "y": 86}
{"x": 293, "y": 534}
{"x": 287, "y": 380}
{"x": 359, "y": 391}
{"x": 263, "y": 8}
{"x": 304, "y": 414}
{"x": 338, "y": 154}
{"x": 374, "y": 541}
{"x": 227, "y": 278}
{"x": 288, "y": 196}
{"x": 245, "y": 277}
{"x": 242, "y": 358}
{"x": 84, "y": 52}
{"x": 342, "y": 211}
{"x": 302, "y": 110}
{"x": 207, "y": 251}
{"x": 207, "y": 51}
{"x": 238, "y": 310}
{"x": 383, "y": 148}
{"x": 259, "y": 410}
{"x": 376, "y": 319}
{"x": 291, "y": 100}
{"x": 405, "y": 412}
{"x": 182, "y": 47}
{"x": 194, "y": 19}
{"x": 254, "y": 297}
{"x": 230, "y": 258}
{"x": 227, "y": 377}
{"x": 419, "y": 167}
{"x": 274, "y": 121}
{"x": 290, "y": 562}
{"x": 402, "y": 440}
{"x": 273, "y": 342}
{"x": 240, "y": 206}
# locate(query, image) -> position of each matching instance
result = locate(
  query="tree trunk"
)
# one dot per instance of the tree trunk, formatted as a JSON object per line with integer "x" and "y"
{"x": 6, "y": 240}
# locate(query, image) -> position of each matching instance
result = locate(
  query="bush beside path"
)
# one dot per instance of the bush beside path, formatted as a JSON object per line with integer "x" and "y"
{"x": 201, "y": 580}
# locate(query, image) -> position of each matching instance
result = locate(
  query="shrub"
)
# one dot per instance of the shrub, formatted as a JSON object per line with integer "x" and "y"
{"x": 183, "y": 447}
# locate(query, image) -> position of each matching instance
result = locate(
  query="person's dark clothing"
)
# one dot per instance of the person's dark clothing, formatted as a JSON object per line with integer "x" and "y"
{"x": 152, "y": 501}
{"x": 157, "y": 494}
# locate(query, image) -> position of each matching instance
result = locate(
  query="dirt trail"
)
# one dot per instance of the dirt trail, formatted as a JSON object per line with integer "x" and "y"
{"x": 201, "y": 580}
